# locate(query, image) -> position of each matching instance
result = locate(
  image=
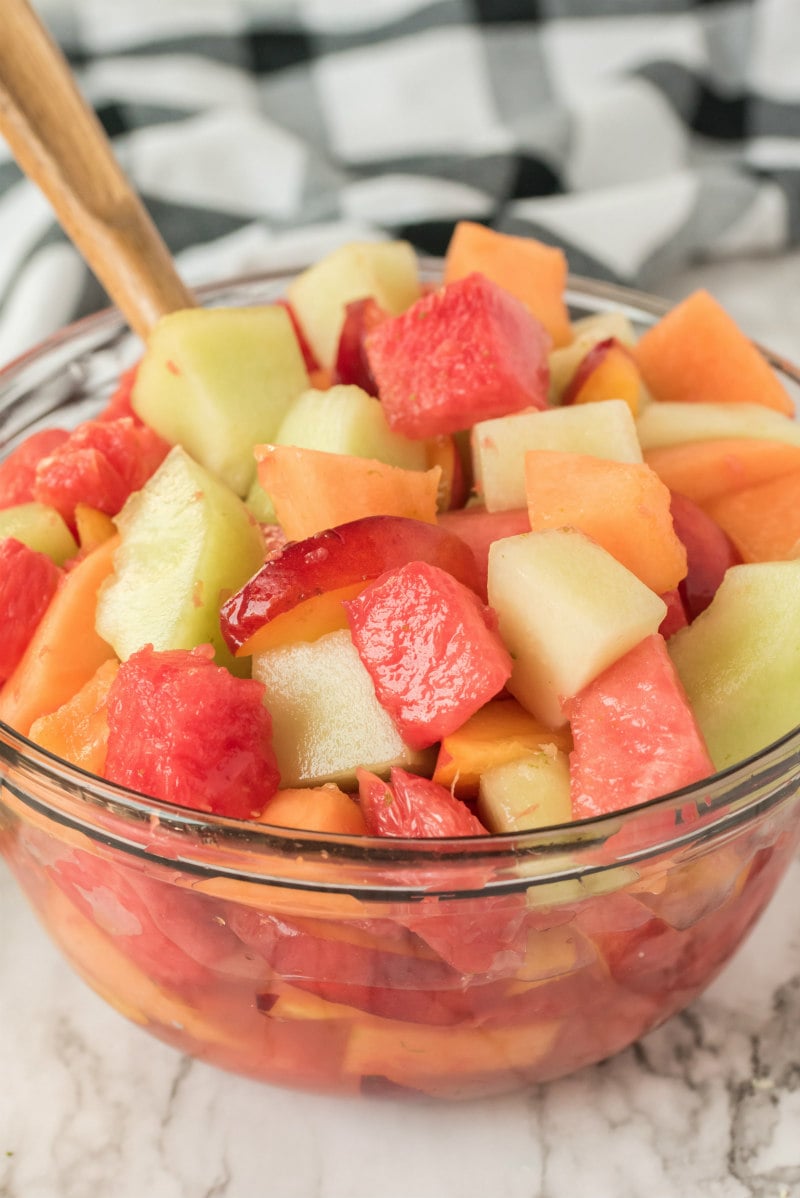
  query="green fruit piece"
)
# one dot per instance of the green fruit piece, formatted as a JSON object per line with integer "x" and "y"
{"x": 187, "y": 542}
{"x": 531, "y": 792}
{"x": 219, "y": 381}
{"x": 345, "y": 420}
{"x": 605, "y": 429}
{"x": 566, "y": 609}
{"x": 326, "y": 720}
{"x": 40, "y": 527}
{"x": 739, "y": 661}
{"x": 385, "y": 270}
{"x": 661, "y": 424}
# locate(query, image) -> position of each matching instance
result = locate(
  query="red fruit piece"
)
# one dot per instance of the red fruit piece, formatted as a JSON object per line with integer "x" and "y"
{"x": 339, "y": 557}
{"x": 18, "y": 470}
{"x": 709, "y": 553}
{"x": 100, "y": 464}
{"x": 676, "y": 618}
{"x": 634, "y": 733}
{"x": 120, "y": 402}
{"x": 186, "y": 731}
{"x": 431, "y": 648}
{"x": 465, "y": 353}
{"x": 28, "y": 581}
{"x": 413, "y": 807}
{"x": 352, "y": 364}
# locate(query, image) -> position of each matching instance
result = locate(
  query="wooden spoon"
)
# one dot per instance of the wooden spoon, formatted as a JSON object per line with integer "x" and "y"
{"x": 61, "y": 146}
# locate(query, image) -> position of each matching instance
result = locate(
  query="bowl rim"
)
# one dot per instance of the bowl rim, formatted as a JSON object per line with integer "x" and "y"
{"x": 209, "y": 844}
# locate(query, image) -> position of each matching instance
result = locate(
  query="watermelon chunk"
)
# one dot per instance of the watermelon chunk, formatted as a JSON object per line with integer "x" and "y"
{"x": 28, "y": 581}
{"x": 186, "y": 731}
{"x": 634, "y": 733}
{"x": 119, "y": 403}
{"x": 412, "y": 806}
{"x": 101, "y": 464}
{"x": 465, "y": 353}
{"x": 431, "y": 648}
{"x": 18, "y": 470}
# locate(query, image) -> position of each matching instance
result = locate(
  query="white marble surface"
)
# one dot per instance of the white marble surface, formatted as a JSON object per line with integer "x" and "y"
{"x": 706, "y": 1107}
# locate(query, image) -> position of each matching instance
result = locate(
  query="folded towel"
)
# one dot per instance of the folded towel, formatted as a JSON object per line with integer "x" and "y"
{"x": 639, "y": 134}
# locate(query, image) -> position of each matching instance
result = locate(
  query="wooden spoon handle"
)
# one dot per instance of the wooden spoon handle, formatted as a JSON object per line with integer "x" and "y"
{"x": 61, "y": 146}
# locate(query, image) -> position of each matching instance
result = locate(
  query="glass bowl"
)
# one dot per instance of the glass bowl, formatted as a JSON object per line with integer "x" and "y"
{"x": 453, "y": 968}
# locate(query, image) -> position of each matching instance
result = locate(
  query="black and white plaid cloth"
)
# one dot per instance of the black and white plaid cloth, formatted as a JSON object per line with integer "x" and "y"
{"x": 639, "y": 134}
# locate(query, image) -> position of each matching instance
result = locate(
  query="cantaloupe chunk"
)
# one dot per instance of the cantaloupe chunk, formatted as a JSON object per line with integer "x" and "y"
{"x": 312, "y": 489}
{"x": 532, "y": 271}
{"x": 315, "y": 809}
{"x": 65, "y": 650}
{"x": 698, "y": 354}
{"x": 704, "y": 471}
{"x": 763, "y": 521}
{"x": 78, "y": 730}
{"x": 623, "y": 506}
{"x": 499, "y": 732}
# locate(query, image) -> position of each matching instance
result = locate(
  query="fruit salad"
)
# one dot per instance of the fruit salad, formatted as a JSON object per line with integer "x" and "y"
{"x": 440, "y": 613}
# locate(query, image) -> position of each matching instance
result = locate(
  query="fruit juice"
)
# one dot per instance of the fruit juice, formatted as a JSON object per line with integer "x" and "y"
{"x": 405, "y": 828}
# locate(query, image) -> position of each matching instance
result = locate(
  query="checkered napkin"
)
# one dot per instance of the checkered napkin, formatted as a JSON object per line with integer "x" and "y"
{"x": 639, "y": 134}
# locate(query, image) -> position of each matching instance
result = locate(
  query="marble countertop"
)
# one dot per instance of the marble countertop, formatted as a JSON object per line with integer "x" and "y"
{"x": 706, "y": 1107}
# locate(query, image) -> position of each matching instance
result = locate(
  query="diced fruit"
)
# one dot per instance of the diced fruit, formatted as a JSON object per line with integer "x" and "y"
{"x": 623, "y": 506}
{"x": 78, "y": 730}
{"x": 453, "y": 489}
{"x": 676, "y": 616}
{"x": 704, "y": 471}
{"x": 413, "y": 807}
{"x": 762, "y": 521}
{"x": 635, "y": 735}
{"x": 606, "y": 430}
{"x": 608, "y": 371}
{"x": 431, "y": 649}
{"x": 534, "y": 272}
{"x": 709, "y": 553}
{"x": 528, "y": 792}
{"x": 65, "y": 650}
{"x": 326, "y": 720}
{"x": 479, "y": 529}
{"x": 310, "y": 361}
{"x": 586, "y": 333}
{"x": 662, "y": 424}
{"x": 119, "y": 403}
{"x": 185, "y": 731}
{"x": 18, "y": 469}
{"x": 217, "y": 381}
{"x": 698, "y": 354}
{"x": 562, "y": 631}
{"x": 346, "y": 420}
{"x": 499, "y": 733}
{"x": 28, "y": 581}
{"x": 315, "y": 809}
{"x": 93, "y": 527}
{"x": 306, "y": 621}
{"x": 465, "y": 353}
{"x": 39, "y": 527}
{"x": 384, "y": 270}
{"x": 352, "y": 365}
{"x": 100, "y": 464}
{"x": 740, "y": 660}
{"x": 313, "y": 490}
{"x": 339, "y": 557}
{"x": 186, "y": 540}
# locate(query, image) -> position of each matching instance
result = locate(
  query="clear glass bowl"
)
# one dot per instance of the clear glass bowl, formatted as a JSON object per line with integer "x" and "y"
{"x": 343, "y": 964}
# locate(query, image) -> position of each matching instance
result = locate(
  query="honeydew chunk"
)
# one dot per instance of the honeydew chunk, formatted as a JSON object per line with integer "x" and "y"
{"x": 186, "y": 543}
{"x": 605, "y": 429}
{"x": 567, "y": 609}
{"x": 530, "y": 792}
{"x": 219, "y": 381}
{"x": 40, "y": 527}
{"x": 326, "y": 719}
{"x": 343, "y": 419}
{"x": 662, "y": 424}
{"x": 385, "y": 270}
{"x": 587, "y": 333}
{"x": 739, "y": 661}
